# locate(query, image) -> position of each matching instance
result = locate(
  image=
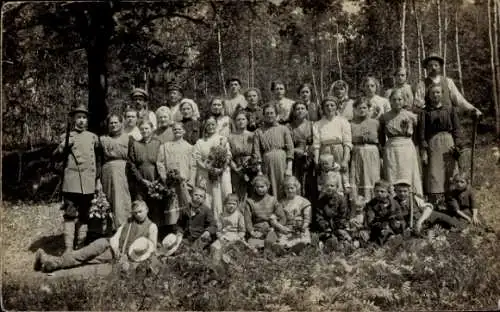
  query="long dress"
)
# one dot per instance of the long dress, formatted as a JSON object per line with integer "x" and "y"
{"x": 400, "y": 154}
{"x": 439, "y": 130}
{"x": 176, "y": 155}
{"x": 241, "y": 151}
{"x": 216, "y": 190}
{"x": 298, "y": 218}
{"x": 303, "y": 168}
{"x": 114, "y": 177}
{"x": 332, "y": 137}
{"x": 365, "y": 157}
{"x": 273, "y": 147}
{"x": 141, "y": 164}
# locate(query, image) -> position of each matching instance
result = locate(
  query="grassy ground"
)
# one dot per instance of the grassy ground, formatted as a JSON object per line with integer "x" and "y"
{"x": 440, "y": 271}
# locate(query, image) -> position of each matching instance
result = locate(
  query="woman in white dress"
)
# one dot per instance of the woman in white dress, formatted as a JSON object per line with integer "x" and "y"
{"x": 216, "y": 181}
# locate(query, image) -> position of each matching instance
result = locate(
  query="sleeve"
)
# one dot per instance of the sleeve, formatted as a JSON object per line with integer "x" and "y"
{"x": 241, "y": 226}
{"x": 316, "y": 136}
{"x": 210, "y": 223}
{"x": 152, "y": 118}
{"x": 346, "y": 134}
{"x": 472, "y": 200}
{"x": 197, "y": 159}
{"x": 456, "y": 131}
{"x": 452, "y": 203}
{"x": 256, "y": 146}
{"x": 381, "y": 131}
{"x": 320, "y": 217}
{"x": 306, "y": 214}
{"x": 153, "y": 234}
{"x": 419, "y": 100}
{"x": 131, "y": 167}
{"x": 410, "y": 98}
{"x": 248, "y": 217}
{"x": 457, "y": 98}
{"x": 99, "y": 157}
{"x": 279, "y": 212}
{"x": 114, "y": 241}
{"x": 421, "y": 131}
{"x": 160, "y": 164}
{"x": 288, "y": 143}
{"x": 386, "y": 106}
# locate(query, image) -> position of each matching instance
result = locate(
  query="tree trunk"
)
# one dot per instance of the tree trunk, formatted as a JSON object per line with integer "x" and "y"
{"x": 100, "y": 31}
{"x": 457, "y": 49}
{"x": 497, "y": 57}
{"x": 337, "y": 48}
{"x": 252, "y": 68}
{"x": 491, "y": 25}
{"x": 419, "y": 42}
{"x": 321, "y": 68}
{"x": 221, "y": 67}
{"x": 445, "y": 35}
{"x": 403, "y": 24}
{"x": 440, "y": 35}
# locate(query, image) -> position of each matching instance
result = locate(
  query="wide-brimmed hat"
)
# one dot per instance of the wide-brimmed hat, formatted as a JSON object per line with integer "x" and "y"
{"x": 139, "y": 92}
{"x": 402, "y": 182}
{"x": 79, "y": 109}
{"x": 433, "y": 57}
{"x": 171, "y": 243}
{"x": 141, "y": 249}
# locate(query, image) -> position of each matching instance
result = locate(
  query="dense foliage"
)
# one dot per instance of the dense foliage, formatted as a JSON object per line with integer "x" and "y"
{"x": 54, "y": 52}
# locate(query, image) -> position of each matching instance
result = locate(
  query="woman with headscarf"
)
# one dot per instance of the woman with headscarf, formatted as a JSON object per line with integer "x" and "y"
{"x": 340, "y": 90}
{"x": 174, "y": 101}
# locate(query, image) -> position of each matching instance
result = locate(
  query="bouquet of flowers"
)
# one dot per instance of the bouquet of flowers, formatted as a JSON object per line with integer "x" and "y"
{"x": 100, "y": 209}
{"x": 173, "y": 178}
{"x": 157, "y": 190}
{"x": 405, "y": 125}
{"x": 218, "y": 161}
{"x": 249, "y": 168}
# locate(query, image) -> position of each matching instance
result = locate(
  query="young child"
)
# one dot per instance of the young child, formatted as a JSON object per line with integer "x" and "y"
{"x": 81, "y": 179}
{"x": 356, "y": 227}
{"x": 383, "y": 214}
{"x": 332, "y": 216}
{"x": 197, "y": 223}
{"x": 460, "y": 201}
{"x": 104, "y": 250}
{"x": 233, "y": 227}
{"x": 328, "y": 169}
{"x": 262, "y": 212}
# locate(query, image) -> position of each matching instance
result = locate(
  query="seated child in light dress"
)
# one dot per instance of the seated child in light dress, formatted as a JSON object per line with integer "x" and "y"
{"x": 262, "y": 213}
{"x": 329, "y": 169}
{"x": 383, "y": 214}
{"x": 332, "y": 217}
{"x": 295, "y": 232}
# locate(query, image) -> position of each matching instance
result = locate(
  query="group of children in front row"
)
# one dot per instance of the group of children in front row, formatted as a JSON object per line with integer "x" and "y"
{"x": 281, "y": 226}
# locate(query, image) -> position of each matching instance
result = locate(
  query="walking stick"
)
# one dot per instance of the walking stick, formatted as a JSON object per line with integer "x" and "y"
{"x": 475, "y": 120}
{"x": 411, "y": 210}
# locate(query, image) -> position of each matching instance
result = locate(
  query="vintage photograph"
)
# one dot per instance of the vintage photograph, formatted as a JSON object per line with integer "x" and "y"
{"x": 258, "y": 155}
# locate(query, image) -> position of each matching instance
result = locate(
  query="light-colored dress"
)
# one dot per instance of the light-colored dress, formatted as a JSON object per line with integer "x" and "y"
{"x": 273, "y": 147}
{"x": 135, "y": 133}
{"x": 345, "y": 107}
{"x": 365, "y": 157}
{"x": 114, "y": 177}
{"x": 332, "y": 137}
{"x": 378, "y": 106}
{"x": 219, "y": 189}
{"x": 400, "y": 154}
{"x": 241, "y": 151}
{"x": 298, "y": 218}
{"x": 176, "y": 155}
{"x": 231, "y": 104}
{"x": 233, "y": 227}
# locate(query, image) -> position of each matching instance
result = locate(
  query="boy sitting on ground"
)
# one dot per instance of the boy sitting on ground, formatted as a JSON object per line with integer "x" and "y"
{"x": 133, "y": 242}
{"x": 383, "y": 214}
{"x": 461, "y": 203}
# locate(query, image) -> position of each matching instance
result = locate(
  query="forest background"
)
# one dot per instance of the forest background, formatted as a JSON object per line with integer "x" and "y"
{"x": 59, "y": 54}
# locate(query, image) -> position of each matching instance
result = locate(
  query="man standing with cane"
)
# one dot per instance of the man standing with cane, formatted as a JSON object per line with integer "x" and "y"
{"x": 80, "y": 178}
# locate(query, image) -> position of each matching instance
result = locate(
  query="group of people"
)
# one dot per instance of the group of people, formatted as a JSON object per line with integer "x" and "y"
{"x": 352, "y": 170}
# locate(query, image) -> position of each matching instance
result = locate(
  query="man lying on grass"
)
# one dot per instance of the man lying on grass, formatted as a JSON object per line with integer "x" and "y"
{"x": 133, "y": 242}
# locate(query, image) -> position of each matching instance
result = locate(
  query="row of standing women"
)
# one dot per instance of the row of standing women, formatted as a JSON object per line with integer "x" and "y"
{"x": 363, "y": 140}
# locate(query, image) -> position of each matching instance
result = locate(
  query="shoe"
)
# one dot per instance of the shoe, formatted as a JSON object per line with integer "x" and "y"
{"x": 38, "y": 260}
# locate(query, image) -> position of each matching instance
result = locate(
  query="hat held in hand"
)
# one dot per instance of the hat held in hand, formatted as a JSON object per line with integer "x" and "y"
{"x": 141, "y": 249}
{"x": 171, "y": 243}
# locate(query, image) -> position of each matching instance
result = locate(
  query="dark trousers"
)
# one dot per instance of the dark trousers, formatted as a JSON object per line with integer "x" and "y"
{"x": 76, "y": 206}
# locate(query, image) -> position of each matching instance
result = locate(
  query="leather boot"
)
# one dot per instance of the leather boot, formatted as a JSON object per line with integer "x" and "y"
{"x": 69, "y": 235}
{"x": 81, "y": 234}
{"x": 48, "y": 263}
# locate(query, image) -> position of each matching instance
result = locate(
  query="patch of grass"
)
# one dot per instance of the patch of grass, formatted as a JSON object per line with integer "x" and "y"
{"x": 440, "y": 271}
